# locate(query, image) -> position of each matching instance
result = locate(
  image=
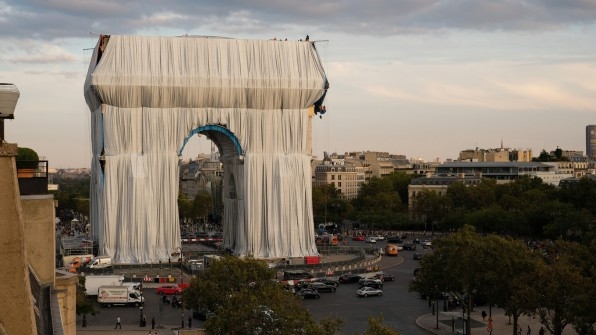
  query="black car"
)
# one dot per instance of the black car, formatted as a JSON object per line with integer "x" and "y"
{"x": 296, "y": 275}
{"x": 349, "y": 278}
{"x": 417, "y": 256}
{"x": 370, "y": 282}
{"x": 321, "y": 287}
{"x": 307, "y": 293}
{"x": 384, "y": 276}
{"x": 327, "y": 281}
{"x": 301, "y": 284}
{"x": 409, "y": 246}
{"x": 394, "y": 239}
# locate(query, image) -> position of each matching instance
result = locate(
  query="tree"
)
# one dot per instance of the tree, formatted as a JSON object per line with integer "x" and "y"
{"x": 202, "y": 205}
{"x": 328, "y": 204}
{"x": 473, "y": 266}
{"x": 266, "y": 307}
{"x": 561, "y": 285}
{"x": 376, "y": 327}
{"x": 84, "y": 306}
{"x": 379, "y": 204}
{"x": 508, "y": 273}
{"x": 184, "y": 206}
{"x": 400, "y": 182}
{"x": 543, "y": 157}
{"x": 430, "y": 207}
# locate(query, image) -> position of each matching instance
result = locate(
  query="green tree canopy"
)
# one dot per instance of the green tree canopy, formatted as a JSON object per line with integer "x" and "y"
{"x": 266, "y": 308}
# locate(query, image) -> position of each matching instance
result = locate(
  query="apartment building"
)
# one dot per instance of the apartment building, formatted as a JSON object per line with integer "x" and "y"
{"x": 495, "y": 155}
{"x": 437, "y": 184}
{"x": 200, "y": 175}
{"x": 591, "y": 142}
{"x": 503, "y": 172}
{"x": 345, "y": 176}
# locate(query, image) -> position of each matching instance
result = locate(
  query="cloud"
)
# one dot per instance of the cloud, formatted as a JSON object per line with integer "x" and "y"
{"x": 46, "y": 19}
{"x": 35, "y": 52}
{"x": 504, "y": 86}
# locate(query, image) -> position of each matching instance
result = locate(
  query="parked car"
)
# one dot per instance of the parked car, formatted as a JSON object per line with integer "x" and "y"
{"x": 370, "y": 239}
{"x": 370, "y": 282}
{"x": 358, "y": 238}
{"x": 394, "y": 239}
{"x": 384, "y": 276}
{"x": 378, "y": 237}
{"x": 349, "y": 278}
{"x": 296, "y": 274}
{"x": 328, "y": 281}
{"x": 322, "y": 287}
{"x": 366, "y": 291}
{"x": 168, "y": 290}
{"x": 307, "y": 293}
{"x": 301, "y": 284}
{"x": 409, "y": 246}
{"x": 417, "y": 256}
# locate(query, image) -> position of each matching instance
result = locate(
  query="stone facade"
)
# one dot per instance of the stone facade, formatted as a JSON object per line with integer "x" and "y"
{"x": 27, "y": 257}
{"x": 16, "y": 305}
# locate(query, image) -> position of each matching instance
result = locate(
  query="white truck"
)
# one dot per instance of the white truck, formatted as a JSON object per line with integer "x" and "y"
{"x": 100, "y": 262}
{"x": 93, "y": 283}
{"x": 119, "y": 295}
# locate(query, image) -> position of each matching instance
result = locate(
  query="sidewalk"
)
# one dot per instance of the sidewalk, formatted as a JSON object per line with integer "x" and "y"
{"x": 167, "y": 330}
{"x": 451, "y": 323}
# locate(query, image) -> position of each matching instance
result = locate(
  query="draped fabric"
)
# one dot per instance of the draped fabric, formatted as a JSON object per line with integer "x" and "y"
{"x": 147, "y": 94}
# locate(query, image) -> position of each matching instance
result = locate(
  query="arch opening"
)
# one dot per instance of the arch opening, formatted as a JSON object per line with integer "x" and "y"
{"x": 227, "y": 143}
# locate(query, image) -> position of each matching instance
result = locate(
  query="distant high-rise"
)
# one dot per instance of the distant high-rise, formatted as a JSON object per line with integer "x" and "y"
{"x": 591, "y": 141}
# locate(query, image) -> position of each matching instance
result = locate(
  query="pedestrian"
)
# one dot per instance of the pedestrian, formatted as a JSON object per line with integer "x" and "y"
{"x": 529, "y": 330}
{"x": 182, "y": 320}
{"x": 153, "y": 322}
{"x": 519, "y": 330}
{"x": 118, "y": 322}
{"x": 541, "y": 331}
{"x": 483, "y": 315}
{"x": 190, "y": 323}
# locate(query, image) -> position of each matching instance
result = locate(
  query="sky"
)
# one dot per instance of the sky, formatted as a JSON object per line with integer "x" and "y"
{"x": 420, "y": 78}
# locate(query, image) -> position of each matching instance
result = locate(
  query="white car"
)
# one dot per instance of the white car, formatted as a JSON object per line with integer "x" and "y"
{"x": 379, "y": 237}
{"x": 370, "y": 239}
{"x": 366, "y": 291}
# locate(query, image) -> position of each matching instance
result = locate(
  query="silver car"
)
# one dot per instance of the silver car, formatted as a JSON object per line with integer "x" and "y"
{"x": 366, "y": 291}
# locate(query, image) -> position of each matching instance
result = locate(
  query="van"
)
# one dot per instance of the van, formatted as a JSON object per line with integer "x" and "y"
{"x": 391, "y": 250}
{"x": 119, "y": 295}
{"x": 100, "y": 262}
{"x": 135, "y": 286}
{"x": 296, "y": 274}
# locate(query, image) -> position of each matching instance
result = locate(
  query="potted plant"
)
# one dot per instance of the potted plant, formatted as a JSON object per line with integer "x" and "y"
{"x": 27, "y": 162}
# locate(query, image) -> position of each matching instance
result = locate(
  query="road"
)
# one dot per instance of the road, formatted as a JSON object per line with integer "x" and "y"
{"x": 399, "y": 307}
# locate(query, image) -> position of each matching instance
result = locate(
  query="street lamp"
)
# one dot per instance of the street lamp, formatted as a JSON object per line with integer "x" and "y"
{"x": 141, "y": 318}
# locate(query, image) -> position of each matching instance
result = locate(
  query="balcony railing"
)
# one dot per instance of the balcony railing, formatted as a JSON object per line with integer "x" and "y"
{"x": 38, "y": 183}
